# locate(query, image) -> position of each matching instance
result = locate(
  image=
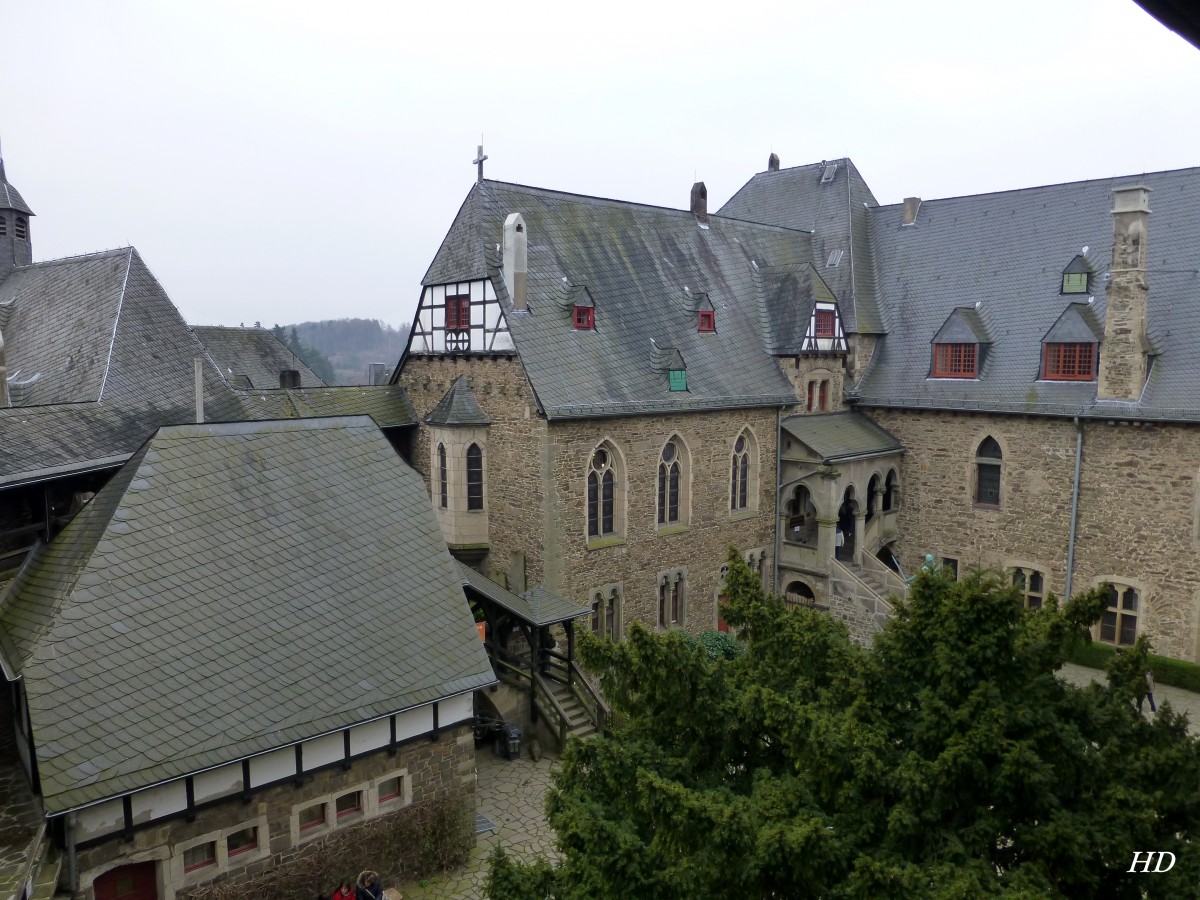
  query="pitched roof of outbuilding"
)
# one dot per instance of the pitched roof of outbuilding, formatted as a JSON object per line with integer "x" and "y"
{"x": 458, "y": 407}
{"x": 10, "y": 198}
{"x": 186, "y": 617}
{"x": 638, "y": 264}
{"x": 1006, "y": 251}
{"x": 537, "y": 606}
{"x": 254, "y": 353}
{"x": 840, "y": 436}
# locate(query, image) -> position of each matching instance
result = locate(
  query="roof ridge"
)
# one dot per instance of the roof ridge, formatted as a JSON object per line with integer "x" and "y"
{"x": 62, "y": 260}
{"x": 1041, "y": 187}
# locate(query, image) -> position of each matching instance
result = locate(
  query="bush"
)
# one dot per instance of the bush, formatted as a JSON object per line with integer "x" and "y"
{"x": 1175, "y": 672}
{"x": 717, "y": 644}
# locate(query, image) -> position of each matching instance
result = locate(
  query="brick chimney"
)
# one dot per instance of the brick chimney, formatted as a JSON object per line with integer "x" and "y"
{"x": 516, "y": 260}
{"x": 911, "y": 206}
{"x": 1123, "y": 353}
{"x": 773, "y": 162}
{"x": 700, "y": 202}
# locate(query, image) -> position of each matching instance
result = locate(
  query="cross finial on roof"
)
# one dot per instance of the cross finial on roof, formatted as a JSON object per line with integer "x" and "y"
{"x": 2, "y": 178}
{"x": 478, "y": 160}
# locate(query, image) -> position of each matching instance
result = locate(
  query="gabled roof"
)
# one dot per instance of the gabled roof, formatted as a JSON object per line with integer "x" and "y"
{"x": 789, "y": 295}
{"x": 458, "y": 407}
{"x": 1007, "y": 251}
{"x": 635, "y": 262}
{"x": 837, "y": 437}
{"x": 9, "y": 196}
{"x": 836, "y": 212}
{"x": 1076, "y": 325}
{"x": 537, "y": 606}
{"x": 255, "y": 353}
{"x": 962, "y": 326}
{"x": 187, "y": 616}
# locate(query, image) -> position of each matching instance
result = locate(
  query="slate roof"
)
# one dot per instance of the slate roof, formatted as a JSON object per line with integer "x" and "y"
{"x": 255, "y": 353}
{"x": 1007, "y": 251}
{"x": 840, "y": 436}
{"x": 10, "y": 198}
{"x": 114, "y": 360}
{"x": 789, "y": 295}
{"x": 458, "y": 407}
{"x": 836, "y": 215}
{"x": 634, "y": 262}
{"x": 188, "y": 615}
{"x": 537, "y": 606}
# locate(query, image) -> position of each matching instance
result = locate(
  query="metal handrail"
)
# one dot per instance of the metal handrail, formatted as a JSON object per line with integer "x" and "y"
{"x": 544, "y": 696}
{"x": 589, "y": 695}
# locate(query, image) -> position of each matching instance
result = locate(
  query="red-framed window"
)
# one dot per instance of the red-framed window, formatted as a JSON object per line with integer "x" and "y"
{"x": 585, "y": 318}
{"x": 242, "y": 841}
{"x": 955, "y": 360}
{"x": 1069, "y": 362}
{"x": 200, "y": 856}
{"x": 823, "y": 395}
{"x": 312, "y": 817}
{"x": 826, "y": 323}
{"x": 349, "y": 804}
{"x": 708, "y": 320}
{"x": 458, "y": 313}
{"x": 391, "y": 789}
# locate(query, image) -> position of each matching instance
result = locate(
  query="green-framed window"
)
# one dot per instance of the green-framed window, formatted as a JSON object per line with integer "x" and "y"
{"x": 678, "y": 379}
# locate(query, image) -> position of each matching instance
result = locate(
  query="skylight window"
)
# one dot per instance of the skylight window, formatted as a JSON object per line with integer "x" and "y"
{"x": 1075, "y": 283}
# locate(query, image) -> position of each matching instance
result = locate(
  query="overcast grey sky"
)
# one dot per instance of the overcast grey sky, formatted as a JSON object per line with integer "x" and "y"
{"x": 291, "y": 161}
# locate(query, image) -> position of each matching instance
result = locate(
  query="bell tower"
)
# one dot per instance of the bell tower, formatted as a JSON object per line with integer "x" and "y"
{"x": 16, "y": 248}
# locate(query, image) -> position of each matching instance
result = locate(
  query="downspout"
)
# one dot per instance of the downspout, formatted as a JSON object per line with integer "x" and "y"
{"x": 778, "y": 472}
{"x": 1074, "y": 507}
{"x": 72, "y": 864}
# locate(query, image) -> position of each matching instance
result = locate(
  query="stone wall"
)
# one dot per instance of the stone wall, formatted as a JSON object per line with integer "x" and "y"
{"x": 803, "y": 370}
{"x": 856, "y": 605}
{"x": 515, "y": 454}
{"x": 432, "y": 768}
{"x": 1137, "y": 507}
{"x": 645, "y": 550}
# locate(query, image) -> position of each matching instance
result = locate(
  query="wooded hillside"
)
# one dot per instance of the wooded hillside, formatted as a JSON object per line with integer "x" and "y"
{"x": 352, "y": 344}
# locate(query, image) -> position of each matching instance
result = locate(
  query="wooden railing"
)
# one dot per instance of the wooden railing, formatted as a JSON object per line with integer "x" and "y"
{"x": 548, "y": 706}
{"x": 589, "y": 696}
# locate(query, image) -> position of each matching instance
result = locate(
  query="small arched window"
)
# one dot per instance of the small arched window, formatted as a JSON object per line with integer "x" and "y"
{"x": 802, "y": 517}
{"x": 988, "y": 463}
{"x": 872, "y": 496}
{"x": 740, "y": 475}
{"x": 602, "y": 494}
{"x": 670, "y": 472}
{"x": 22, "y": 230}
{"x": 443, "y": 494}
{"x": 474, "y": 477}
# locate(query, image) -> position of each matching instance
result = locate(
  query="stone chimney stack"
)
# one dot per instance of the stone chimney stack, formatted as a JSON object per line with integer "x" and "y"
{"x": 3, "y": 376}
{"x": 289, "y": 378}
{"x": 1123, "y": 353}
{"x": 911, "y": 206}
{"x": 516, "y": 261}
{"x": 773, "y": 162}
{"x": 700, "y": 202}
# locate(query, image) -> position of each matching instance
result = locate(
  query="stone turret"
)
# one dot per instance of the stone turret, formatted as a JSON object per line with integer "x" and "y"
{"x": 1123, "y": 353}
{"x": 16, "y": 248}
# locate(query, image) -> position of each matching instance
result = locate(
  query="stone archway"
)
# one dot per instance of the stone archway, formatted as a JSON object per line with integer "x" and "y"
{"x": 797, "y": 593}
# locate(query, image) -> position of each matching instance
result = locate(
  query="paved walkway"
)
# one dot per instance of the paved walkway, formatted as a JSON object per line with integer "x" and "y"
{"x": 513, "y": 796}
{"x": 1181, "y": 700}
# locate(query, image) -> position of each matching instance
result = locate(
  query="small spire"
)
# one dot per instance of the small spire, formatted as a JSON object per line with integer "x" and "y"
{"x": 2, "y": 178}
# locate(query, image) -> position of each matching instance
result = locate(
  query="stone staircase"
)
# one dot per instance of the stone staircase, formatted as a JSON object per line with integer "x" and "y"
{"x": 870, "y": 577}
{"x": 579, "y": 720}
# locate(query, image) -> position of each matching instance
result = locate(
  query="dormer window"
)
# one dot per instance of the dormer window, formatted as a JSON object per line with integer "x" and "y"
{"x": 585, "y": 318}
{"x": 1069, "y": 362}
{"x": 1075, "y": 283}
{"x": 707, "y": 321}
{"x": 955, "y": 360}
{"x": 678, "y": 379}
{"x": 825, "y": 325}
{"x": 1076, "y": 277}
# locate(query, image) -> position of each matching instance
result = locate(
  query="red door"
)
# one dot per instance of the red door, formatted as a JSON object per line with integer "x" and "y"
{"x": 721, "y": 626}
{"x": 136, "y": 882}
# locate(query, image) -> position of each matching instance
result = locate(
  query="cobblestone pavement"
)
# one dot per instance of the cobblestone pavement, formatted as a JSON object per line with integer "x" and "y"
{"x": 512, "y": 795}
{"x": 1180, "y": 700}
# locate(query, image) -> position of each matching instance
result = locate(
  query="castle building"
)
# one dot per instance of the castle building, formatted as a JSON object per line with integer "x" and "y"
{"x": 833, "y": 386}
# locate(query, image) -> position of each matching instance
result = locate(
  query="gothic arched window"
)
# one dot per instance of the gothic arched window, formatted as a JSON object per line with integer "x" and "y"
{"x": 605, "y": 493}
{"x": 443, "y": 494}
{"x": 672, "y": 493}
{"x": 743, "y": 474}
{"x": 474, "y": 477}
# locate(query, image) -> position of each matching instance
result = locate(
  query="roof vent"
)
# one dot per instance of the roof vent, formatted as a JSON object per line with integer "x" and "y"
{"x": 911, "y": 205}
{"x": 19, "y": 390}
{"x": 773, "y": 162}
{"x": 834, "y": 258}
{"x": 700, "y": 202}
{"x": 829, "y": 172}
